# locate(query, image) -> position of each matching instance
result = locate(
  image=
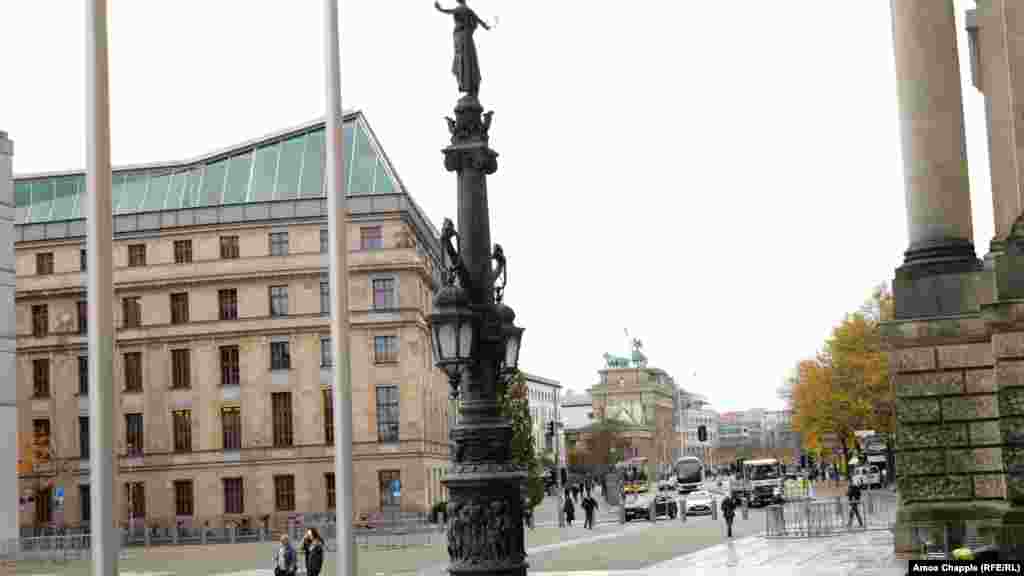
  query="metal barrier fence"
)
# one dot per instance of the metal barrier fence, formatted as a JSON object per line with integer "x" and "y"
{"x": 829, "y": 517}
{"x": 398, "y": 535}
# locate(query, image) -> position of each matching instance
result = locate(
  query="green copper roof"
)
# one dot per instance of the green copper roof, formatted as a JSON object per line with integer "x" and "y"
{"x": 275, "y": 168}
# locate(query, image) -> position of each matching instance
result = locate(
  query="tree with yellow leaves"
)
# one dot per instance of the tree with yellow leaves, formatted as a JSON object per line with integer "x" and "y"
{"x": 846, "y": 387}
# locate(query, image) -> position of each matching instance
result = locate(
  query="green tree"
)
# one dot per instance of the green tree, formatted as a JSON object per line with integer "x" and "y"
{"x": 515, "y": 405}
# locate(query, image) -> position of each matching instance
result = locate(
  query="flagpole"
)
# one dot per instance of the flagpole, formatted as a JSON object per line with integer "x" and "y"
{"x": 105, "y": 540}
{"x": 337, "y": 215}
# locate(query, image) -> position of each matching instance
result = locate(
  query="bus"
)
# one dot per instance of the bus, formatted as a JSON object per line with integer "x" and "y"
{"x": 689, "y": 474}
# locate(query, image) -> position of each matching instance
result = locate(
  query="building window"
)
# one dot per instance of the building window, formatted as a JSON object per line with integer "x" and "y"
{"x": 83, "y": 317}
{"x": 179, "y": 308}
{"x": 41, "y": 437}
{"x": 133, "y": 371}
{"x": 183, "y": 497}
{"x": 278, "y": 243}
{"x": 44, "y": 263}
{"x": 229, "y": 372}
{"x": 40, "y": 320}
{"x": 326, "y": 353}
{"x": 390, "y": 488}
{"x": 387, "y": 413}
{"x": 385, "y": 349}
{"x": 228, "y": 304}
{"x": 323, "y": 241}
{"x": 137, "y": 255}
{"x": 280, "y": 357}
{"x": 182, "y": 251}
{"x": 328, "y": 398}
{"x": 371, "y": 238}
{"x": 132, "y": 312}
{"x": 234, "y": 502}
{"x": 83, "y": 375}
{"x": 229, "y": 247}
{"x": 284, "y": 493}
{"x": 135, "y": 496}
{"x": 383, "y": 293}
{"x": 278, "y": 301}
{"x": 281, "y": 403}
{"x": 83, "y": 437}
{"x": 329, "y": 481}
{"x": 181, "y": 368}
{"x": 85, "y": 502}
{"x": 325, "y": 297}
{"x": 41, "y": 378}
{"x": 133, "y": 434}
{"x": 182, "y": 430}
{"x": 44, "y": 514}
{"x": 231, "y": 424}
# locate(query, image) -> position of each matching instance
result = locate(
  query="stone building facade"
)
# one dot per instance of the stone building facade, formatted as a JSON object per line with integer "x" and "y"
{"x": 222, "y": 370}
{"x": 643, "y": 399}
{"x": 957, "y": 343}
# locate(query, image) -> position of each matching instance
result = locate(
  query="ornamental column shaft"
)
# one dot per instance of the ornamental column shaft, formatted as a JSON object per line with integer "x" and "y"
{"x": 9, "y": 492}
{"x": 934, "y": 158}
{"x": 931, "y": 120}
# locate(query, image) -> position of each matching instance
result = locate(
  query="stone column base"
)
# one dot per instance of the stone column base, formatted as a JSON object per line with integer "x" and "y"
{"x": 934, "y": 518}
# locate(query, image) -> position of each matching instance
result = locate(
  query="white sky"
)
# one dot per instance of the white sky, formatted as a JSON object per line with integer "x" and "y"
{"x": 723, "y": 179}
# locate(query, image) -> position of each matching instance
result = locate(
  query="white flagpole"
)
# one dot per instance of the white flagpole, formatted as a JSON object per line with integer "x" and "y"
{"x": 105, "y": 542}
{"x": 337, "y": 214}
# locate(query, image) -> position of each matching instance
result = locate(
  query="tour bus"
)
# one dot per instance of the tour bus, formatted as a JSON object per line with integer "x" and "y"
{"x": 689, "y": 474}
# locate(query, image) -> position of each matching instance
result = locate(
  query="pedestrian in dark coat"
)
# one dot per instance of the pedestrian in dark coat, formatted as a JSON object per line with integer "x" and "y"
{"x": 853, "y": 495}
{"x": 570, "y": 511}
{"x": 589, "y": 507}
{"x": 313, "y": 549}
{"x": 729, "y": 513}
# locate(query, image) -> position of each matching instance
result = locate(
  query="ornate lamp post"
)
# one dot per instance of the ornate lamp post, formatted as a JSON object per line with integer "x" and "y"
{"x": 477, "y": 343}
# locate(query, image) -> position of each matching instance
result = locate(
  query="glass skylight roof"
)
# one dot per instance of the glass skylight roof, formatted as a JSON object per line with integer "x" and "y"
{"x": 274, "y": 170}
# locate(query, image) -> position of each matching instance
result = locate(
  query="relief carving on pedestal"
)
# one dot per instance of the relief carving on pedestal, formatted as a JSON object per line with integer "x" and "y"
{"x": 484, "y": 531}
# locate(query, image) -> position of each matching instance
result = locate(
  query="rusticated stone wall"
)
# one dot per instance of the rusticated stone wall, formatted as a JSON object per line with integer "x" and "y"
{"x": 948, "y": 443}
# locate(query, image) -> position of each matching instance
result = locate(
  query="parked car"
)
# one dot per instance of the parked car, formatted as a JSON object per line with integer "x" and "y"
{"x": 639, "y": 506}
{"x": 868, "y": 476}
{"x": 699, "y": 502}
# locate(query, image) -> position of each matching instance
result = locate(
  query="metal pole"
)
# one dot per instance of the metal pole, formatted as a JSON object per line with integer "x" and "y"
{"x": 558, "y": 461}
{"x": 337, "y": 230}
{"x": 100, "y": 293}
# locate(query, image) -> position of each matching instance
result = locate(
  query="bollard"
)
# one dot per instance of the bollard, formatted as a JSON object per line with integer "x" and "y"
{"x": 746, "y": 509}
{"x": 682, "y": 510}
{"x": 714, "y": 508}
{"x": 145, "y": 532}
{"x": 654, "y": 511}
{"x": 622, "y": 513}
{"x": 232, "y": 533}
{"x": 202, "y": 538}
{"x": 174, "y": 535}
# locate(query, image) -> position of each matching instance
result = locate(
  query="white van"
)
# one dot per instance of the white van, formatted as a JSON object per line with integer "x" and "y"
{"x": 868, "y": 476}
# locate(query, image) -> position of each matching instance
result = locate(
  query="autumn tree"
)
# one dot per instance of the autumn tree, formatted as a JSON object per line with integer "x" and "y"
{"x": 846, "y": 387}
{"x": 515, "y": 405}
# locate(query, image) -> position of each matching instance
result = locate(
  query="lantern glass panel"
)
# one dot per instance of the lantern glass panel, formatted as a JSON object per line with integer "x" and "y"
{"x": 465, "y": 339}
{"x": 512, "y": 348}
{"x": 446, "y": 341}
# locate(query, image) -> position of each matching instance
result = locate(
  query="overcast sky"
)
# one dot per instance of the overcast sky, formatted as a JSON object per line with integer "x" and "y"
{"x": 723, "y": 180}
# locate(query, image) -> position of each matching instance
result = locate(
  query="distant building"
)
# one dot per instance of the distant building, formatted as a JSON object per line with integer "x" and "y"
{"x": 544, "y": 396}
{"x": 577, "y": 411}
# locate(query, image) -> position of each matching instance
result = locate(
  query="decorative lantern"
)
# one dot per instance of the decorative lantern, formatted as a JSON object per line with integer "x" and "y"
{"x": 453, "y": 327}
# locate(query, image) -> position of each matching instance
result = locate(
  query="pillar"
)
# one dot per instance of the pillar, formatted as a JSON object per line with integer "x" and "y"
{"x": 935, "y": 278}
{"x": 8, "y": 408}
{"x": 993, "y": 30}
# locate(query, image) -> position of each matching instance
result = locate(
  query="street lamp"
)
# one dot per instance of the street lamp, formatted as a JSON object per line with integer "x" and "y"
{"x": 477, "y": 344}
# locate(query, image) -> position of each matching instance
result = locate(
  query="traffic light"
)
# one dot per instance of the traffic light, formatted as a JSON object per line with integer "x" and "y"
{"x": 702, "y": 433}
{"x": 551, "y": 428}
{"x": 803, "y": 460}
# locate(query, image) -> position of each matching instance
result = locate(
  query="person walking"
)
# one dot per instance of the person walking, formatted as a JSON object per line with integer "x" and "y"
{"x": 313, "y": 551}
{"x": 589, "y": 507}
{"x": 729, "y": 513}
{"x": 570, "y": 512}
{"x": 284, "y": 559}
{"x": 853, "y": 495}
